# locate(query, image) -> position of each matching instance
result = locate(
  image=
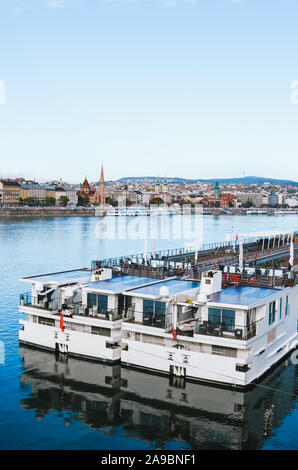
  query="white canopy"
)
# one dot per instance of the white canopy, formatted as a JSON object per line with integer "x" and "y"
{"x": 267, "y": 233}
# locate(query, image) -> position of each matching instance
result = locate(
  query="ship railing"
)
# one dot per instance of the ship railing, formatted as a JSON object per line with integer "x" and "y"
{"x": 128, "y": 313}
{"x": 152, "y": 319}
{"x": 231, "y": 331}
{"x": 255, "y": 279}
{"x": 158, "y": 320}
{"x": 252, "y": 245}
{"x": 28, "y": 300}
{"x": 99, "y": 313}
{"x": 138, "y": 258}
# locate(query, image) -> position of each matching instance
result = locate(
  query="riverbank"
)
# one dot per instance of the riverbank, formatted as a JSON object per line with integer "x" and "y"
{"x": 40, "y": 212}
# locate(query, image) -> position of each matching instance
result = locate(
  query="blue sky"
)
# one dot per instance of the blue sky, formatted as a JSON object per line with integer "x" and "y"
{"x": 150, "y": 87}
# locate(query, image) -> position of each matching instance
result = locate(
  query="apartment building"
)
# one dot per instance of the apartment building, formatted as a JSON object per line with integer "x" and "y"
{"x": 9, "y": 193}
{"x": 37, "y": 192}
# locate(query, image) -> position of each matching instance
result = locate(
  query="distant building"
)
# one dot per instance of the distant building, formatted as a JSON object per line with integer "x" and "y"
{"x": 195, "y": 198}
{"x": 157, "y": 187}
{"x": 225, "y": 200}
{"x": 143, "y": 198}
{"x": 59, "y": 192}
{"x": 273, "y": 200}
{"x": 9, "y": 193}
{"x": 291, "y": 202}
{"x": 99, "y": 196}
{"x": 255, "y": 198}
{"x": 70, "y": 194}
{"x": 164, "y": 186}
{"x": 265, "y": 199}
{"x": 86, "y": 190}
{"x": 37, "y": 192}
{"x": 122, "y": 196}
{"x": 216, "y": 190}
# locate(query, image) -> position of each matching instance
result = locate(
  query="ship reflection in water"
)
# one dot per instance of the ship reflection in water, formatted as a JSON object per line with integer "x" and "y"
{"x": 153, "y": 408}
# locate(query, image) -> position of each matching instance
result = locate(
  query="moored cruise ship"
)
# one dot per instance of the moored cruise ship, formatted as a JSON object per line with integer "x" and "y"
{"x": 77, "y": 312}
{"x": 211, "y": 330}
{"x": 228, "y": 327}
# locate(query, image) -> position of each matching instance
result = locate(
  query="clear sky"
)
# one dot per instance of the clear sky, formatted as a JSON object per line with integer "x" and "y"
{"x": 191, "y": 88}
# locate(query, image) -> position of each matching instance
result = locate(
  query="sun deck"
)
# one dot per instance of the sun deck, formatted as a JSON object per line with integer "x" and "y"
{"x": 175, "y": 286}
{"x": 244, "y": 296}
{"x": 120, "y": 283}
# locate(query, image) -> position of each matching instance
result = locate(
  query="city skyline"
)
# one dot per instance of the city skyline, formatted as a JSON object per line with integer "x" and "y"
{"x": 94, "y": 179}
{"x": 193, "y": 89}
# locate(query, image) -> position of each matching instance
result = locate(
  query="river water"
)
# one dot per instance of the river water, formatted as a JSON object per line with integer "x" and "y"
{"x": 49, "y": 404}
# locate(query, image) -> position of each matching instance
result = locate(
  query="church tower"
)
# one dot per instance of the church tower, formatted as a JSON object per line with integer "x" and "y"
{"x": 100, "y": 197}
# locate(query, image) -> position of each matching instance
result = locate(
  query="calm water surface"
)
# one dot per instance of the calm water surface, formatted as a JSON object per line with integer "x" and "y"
{"x": 49, "y": 404}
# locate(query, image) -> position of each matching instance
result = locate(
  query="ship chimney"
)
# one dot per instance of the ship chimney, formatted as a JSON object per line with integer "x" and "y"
{"x": 101, "y": 274}
{"x": 210, "y": 284}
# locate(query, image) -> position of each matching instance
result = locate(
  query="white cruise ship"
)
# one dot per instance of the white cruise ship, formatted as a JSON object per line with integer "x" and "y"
{"x": 226, "y": 328}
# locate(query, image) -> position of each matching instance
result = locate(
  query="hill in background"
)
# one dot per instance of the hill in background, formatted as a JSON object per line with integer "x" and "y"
{"x": 243, "y": 180}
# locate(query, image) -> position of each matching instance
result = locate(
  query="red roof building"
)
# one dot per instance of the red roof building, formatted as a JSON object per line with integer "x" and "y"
{"x": 86, "y": 190}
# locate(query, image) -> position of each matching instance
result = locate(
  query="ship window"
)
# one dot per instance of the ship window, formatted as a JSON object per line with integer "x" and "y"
{"x": 224, "y": 351}
{"x": 280, "y": 308}
{"x": 228, "y": 319}
{"x": 147, "y": 306}
{"x": 287, "y": 309}
{"x": 160, "y": 308}
{"x": 46, "y": 321}
{"x": 214, "y": 314}
{"x": 102, "y": 303}
{"x": 97, "y": 330}
{"x": 272, "y": 308}
{"x": 242, "y": 367}
{"x": 224, "y": 316}
{"x": 127, "y": 302}
{"x": 111, "y": 345}
{"x": 91, "y": 300}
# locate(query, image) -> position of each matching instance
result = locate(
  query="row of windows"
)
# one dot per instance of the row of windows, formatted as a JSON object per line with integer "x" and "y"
{"x": 197, "y": 347}
{"x": 95, "y": 330}
{"x": 224, "y": 351}
{"x": 224, "y": 316}
{"x": 273, "y": 309}
{"x": 97, "y": 300}
{"x": 151, "y": 306}
{"x": 98, "y": 330}
{"x": 46, "y": 321}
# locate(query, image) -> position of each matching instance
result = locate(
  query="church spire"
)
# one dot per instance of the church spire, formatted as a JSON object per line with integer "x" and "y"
{"x": 102, "y": 195}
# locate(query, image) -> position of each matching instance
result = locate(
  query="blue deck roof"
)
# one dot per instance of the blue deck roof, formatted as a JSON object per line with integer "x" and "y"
{"x": 244, "y": 295}
{"x": 175, "y": 286}
{"x": 121, "y": 283}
